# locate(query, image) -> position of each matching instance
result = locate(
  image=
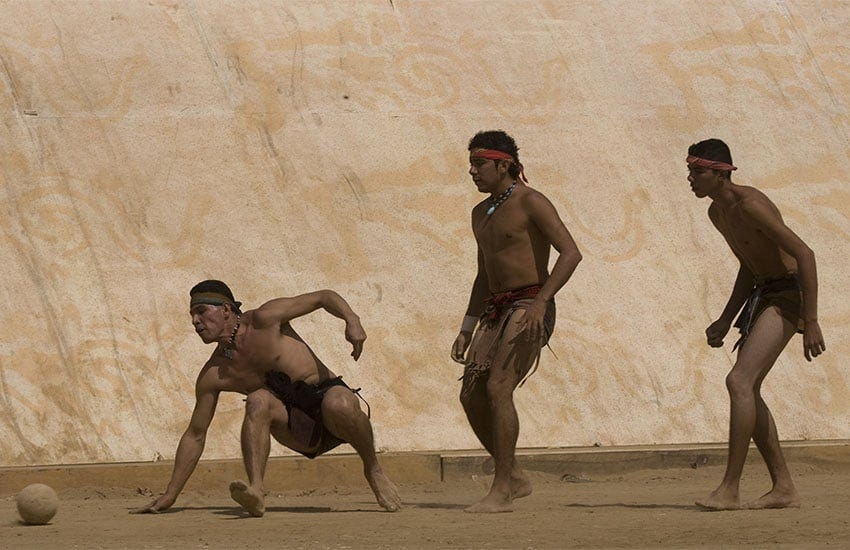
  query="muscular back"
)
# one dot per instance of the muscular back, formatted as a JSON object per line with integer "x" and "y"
{"x": 742, "y": 230}
{"x": 514, "y": 250}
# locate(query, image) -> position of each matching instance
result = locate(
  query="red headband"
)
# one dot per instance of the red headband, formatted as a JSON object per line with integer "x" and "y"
{"x": 493, "y": 154}
{"x": 710, "y": 164}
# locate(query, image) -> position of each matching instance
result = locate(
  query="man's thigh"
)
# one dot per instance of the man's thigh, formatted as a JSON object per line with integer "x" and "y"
{"x": 279, "y": 427}
{"x": 767, "y": 338}
{"x": 515, "y": 354}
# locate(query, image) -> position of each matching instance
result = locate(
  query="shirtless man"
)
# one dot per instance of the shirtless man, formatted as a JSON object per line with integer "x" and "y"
{"x": 512, "y": 296}
{"x": 777, "y": 286}
{"x": 291, "y": 394}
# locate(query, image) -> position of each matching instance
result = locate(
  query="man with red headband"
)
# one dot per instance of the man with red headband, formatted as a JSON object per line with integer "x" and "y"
{"x": 777, "y": 287}
{"x": 511, "y": 302}
{"x": 291, "y": 394}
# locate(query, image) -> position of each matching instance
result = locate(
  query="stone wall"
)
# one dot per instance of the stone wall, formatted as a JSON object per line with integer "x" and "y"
{"x": 290, "y": 146}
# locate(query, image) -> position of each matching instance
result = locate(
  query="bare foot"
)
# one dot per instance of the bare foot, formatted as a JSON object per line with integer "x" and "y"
{"x": 384, "y": 490}
{"x": 248, "y": 498}
{"x": 776, "y": 499}
{"x": 720, "y": 500}
{"x": 520, "y": 485}
{"x": 493, "y": 503}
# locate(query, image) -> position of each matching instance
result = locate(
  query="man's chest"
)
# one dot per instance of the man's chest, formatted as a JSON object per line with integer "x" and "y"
{"x": 500, "y": 230}
{"x": 236, "y": 374}
{"x": 742, "y": 235}
{"x": 273, "y": 349}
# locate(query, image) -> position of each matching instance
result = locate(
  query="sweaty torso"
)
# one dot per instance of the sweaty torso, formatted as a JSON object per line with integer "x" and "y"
{"x": 260, "y": 350}
{"x": 753, "y": 248}
{"x": 516, "y": 254}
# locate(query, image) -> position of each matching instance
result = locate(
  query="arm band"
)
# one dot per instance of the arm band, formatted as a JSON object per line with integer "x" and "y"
{"x": 469, "y": 322}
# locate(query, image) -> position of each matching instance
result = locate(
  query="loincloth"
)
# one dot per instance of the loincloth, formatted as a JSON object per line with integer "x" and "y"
{"x": 494, "y": 337}
{"x": 780, "y": 292}
{"x": 303, "y": 404}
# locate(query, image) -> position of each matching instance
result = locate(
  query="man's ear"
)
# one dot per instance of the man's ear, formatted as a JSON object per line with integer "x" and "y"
{"x": 722, "y": 174}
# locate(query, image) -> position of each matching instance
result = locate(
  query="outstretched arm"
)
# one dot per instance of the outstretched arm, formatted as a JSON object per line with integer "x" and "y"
{"x": 543, "y": 214}
{"x": 190, "y": 447}
{"x": 283, "y": 310}
{"x": 771, "y": 224}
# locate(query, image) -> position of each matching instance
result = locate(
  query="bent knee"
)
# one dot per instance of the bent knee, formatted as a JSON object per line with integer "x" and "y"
{"x": 258, "y": 402}
{"x": 340, "y": 401}
{"x": 739, "y": 384}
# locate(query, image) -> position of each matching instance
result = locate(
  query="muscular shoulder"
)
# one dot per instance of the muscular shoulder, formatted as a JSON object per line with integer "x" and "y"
{"x": 530, "y": 195}
{"x": 536, "y": 204}
{"x": 267, "y": 315}
{"x": 209, "y": 378}
{"x": 755, "y": 204}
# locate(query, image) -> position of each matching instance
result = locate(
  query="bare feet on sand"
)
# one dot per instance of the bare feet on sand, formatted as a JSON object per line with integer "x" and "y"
{"x": 248, "y": 498}
{"x": 520, "y": 485}
{"x": 493, "y": 503}
{"x": 776, "y": 498}
{"x": 384, "y": 490}
{"x": 720, "y": 500}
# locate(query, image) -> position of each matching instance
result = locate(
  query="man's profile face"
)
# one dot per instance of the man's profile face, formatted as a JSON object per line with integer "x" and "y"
{"x": 703, "y": 180}
{"x": 208, "y": 321}
{"x": 485, "y": 173}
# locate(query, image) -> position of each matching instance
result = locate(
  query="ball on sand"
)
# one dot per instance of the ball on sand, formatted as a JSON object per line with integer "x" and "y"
{"x": 37, "y": 504}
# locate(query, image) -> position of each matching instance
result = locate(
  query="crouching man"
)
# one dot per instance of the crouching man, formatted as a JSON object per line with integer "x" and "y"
{"x": 291, "y": 394}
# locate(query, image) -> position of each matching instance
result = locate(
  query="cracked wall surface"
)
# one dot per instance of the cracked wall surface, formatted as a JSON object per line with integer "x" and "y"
{"x": 290, "y": 146}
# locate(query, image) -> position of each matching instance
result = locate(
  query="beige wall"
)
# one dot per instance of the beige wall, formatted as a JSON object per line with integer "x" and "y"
{"x": 290, "y": 146}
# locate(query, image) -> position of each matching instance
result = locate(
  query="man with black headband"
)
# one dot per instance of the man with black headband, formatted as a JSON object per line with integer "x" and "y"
{"x": 291, "y": 394}
{"x": 511, "y": 302}
{"x": 777, "y": 287}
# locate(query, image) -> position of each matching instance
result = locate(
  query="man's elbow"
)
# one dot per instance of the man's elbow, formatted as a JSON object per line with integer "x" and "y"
{"x": 196, "y": 435}
{"x": 806, "y": 256}
{"x": 326, "y": 297}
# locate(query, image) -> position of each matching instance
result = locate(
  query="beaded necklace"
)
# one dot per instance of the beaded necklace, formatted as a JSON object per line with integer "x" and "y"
{"x": 494, "y": 204}
{"x": 229, "y": 347}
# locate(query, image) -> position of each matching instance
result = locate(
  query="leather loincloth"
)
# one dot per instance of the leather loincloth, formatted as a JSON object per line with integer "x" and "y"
{"x": 781, "y": 292}
{"x": 303, "y": 404}
{"x": 493, "y": 335}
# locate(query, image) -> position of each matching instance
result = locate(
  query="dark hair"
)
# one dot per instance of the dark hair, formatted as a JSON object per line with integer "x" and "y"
{"x": 711, "y": 149}
{"x": 500, "y": 141}
{"x": 212, "y": 285}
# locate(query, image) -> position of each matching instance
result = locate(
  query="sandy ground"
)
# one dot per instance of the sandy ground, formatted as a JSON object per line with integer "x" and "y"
{"x": 643, "y": 509}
